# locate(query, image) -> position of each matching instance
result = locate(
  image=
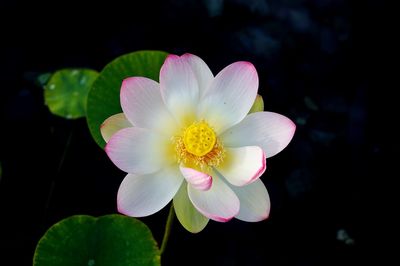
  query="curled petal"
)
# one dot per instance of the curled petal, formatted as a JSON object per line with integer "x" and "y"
{"x": 243, "y": 165}
{"x": 197, "y": 179}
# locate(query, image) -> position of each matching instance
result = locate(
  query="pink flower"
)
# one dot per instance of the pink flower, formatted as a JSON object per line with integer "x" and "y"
{"x": 190, "y": 139}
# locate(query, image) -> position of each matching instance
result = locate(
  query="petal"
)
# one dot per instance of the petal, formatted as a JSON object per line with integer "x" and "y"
{"x": 219, "y": 203}
{"x": 243, "y": 165}
{"x": 200, "y": 69}
{"x": 113, "y": 124}
{"x": 179, "y": 88}
{"x": 144, "y": 195}
{"x": 254, "y": 202}
{"x": 258, "y": 105}
{"x": 270, "y": 131}
{"x": 143, "y": 106}
{"x": 230, "y": 96}
{"x": 137, "y": 150}
{"x": 190, "y": 218}
{"x": 197, "y": 179}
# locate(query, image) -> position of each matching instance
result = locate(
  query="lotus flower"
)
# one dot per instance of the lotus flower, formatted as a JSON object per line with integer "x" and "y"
{"x": 190, "y": 139}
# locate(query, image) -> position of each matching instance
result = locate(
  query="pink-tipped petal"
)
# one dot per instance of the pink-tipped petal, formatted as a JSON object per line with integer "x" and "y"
{"x": 144, "y": 195}
{"x": 200, "y": 69}
{"x": 113, "y": 124}
{"x": 254, "y": 202}
{"x": 197, "y": 179}
{"x": 143, "y": 106}
{"x": 188, "y": 216}
{"x": 219, "y": 203}
{"x": 137, "y": 150}
{"x": 243, "y": 165}
{"x": 179, "y": 88}
{"x": 270, "y": 131}
{"x": 230, "y": 96}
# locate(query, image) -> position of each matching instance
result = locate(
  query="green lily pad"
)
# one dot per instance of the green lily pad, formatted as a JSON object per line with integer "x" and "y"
{"x": 66, "y": 91}
{"x": 42, "y": 79}
{"x": 108, "y": 240}
{"x": 103, "y": 100}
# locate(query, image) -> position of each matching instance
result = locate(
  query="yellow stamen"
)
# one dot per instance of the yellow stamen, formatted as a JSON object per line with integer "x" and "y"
{"x": 199, "y": 147}
{"x": 199, "y": 139}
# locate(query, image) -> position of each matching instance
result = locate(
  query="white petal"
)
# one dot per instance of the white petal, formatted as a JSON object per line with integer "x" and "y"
{"x": 254, "y": 202}
{"x": 243, "y": 165}
{"x": 230, "y": 96}
{"x": 202, "y": 72}
{"x": 219, "y": 203}
{"x": 179, "y": 89}
{"x": 270, "y": 131}
{"x": 190, "y": 218}
{"x": 138, "y": 151}
{"x": 144, "y": 195}
{"x": 197, "y": 179}
{"x": 113, "y": 124}
{"x": 143, "y": 106}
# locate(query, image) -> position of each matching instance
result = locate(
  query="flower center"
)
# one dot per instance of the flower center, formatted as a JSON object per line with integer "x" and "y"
{"x": 198, "y": 146}
{"x": 199, "y": 139}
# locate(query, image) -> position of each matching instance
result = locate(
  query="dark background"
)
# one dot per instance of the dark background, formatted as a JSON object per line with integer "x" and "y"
{"x": 322, "y": 63}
